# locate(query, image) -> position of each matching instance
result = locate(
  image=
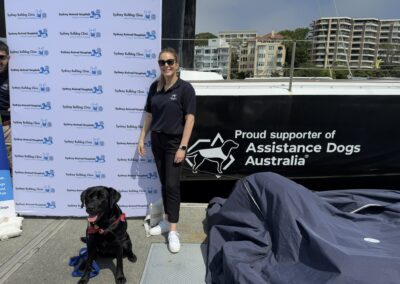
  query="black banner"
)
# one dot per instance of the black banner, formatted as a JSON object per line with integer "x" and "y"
{"x": 296, "y": 136}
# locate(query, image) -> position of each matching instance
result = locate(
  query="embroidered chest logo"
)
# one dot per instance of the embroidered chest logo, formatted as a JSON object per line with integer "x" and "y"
{"x": 173, "y": 97}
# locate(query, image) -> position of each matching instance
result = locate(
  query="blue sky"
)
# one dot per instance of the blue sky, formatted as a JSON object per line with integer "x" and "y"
{"x": 264, "y": 16}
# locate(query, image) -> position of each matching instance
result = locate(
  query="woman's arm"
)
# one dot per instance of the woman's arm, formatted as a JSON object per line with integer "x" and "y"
{"x": 187, "y": 132}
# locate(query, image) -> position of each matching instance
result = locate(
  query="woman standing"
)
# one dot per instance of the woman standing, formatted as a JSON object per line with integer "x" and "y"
{"x": 170, "y": 110}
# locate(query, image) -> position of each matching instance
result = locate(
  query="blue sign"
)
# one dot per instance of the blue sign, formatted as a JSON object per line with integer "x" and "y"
{"x": 6, "y": 192}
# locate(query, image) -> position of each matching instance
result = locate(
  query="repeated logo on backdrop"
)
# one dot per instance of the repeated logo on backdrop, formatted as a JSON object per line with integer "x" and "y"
{"x": 78, "y": 93}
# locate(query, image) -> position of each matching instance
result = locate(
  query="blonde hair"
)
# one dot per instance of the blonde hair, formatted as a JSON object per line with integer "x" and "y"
{"x": 161, "y": 79}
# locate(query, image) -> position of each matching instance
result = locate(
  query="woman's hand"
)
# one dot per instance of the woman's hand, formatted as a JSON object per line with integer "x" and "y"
{"x": 141, "y": 149}
{"x": 179, "y": 156}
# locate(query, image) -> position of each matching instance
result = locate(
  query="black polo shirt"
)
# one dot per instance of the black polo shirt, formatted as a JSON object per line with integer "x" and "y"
{"x": 169, "y": 108}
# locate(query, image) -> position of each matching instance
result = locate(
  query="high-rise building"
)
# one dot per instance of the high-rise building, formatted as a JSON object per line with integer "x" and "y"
{"x": 214, "y": 57}
{"x": 357, "y": 43}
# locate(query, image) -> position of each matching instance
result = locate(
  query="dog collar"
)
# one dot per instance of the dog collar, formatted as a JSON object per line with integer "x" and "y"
{"x": 93, "y": 228}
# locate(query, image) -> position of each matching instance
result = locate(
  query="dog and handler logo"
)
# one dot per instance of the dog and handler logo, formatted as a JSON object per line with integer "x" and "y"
{"x": 263, "y": 149}
{"x": 218, "y": 151}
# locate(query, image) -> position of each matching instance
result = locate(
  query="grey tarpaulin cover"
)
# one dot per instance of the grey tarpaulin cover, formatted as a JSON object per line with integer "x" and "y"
{"x": 273, "y": 230}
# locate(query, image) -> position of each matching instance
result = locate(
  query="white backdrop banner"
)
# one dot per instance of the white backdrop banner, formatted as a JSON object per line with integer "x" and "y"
{"x": 79, "y": 75}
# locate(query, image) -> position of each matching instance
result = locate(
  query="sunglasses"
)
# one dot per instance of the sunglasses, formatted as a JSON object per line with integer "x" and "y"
{"x": 2, "y": 57}
{"x": 169, "y": 62}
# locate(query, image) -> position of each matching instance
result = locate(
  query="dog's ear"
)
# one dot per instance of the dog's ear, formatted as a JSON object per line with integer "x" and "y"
{"x": 114, "y": 196}
{"x": 83, "y": 195}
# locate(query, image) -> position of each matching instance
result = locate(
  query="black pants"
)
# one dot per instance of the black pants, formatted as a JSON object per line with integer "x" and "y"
{"x": 164, "y": 148}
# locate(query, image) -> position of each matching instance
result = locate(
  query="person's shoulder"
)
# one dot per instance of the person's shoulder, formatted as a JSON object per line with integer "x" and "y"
{"x": 153, "y": 87}
{"x": 186, "y": 85}
{"x": 184, "y": 82}
{"x": 154, "y": 84}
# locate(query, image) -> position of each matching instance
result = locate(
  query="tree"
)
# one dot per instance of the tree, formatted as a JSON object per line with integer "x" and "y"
{"x": 389, "y": 54}
{"x": 303, "y": 47}
{"x": 234, "y": 64}
{"x": 309, "y": 70}
{"x": 202, "y": 39}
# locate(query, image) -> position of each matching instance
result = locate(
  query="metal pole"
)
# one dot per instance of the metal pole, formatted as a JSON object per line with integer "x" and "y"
{"x": 228, "y": 76}
{"x": 292, "y": 66}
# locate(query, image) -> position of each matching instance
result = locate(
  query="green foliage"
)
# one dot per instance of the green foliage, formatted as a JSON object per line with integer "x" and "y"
{"x": 234, "y": 65}
{"x": 308, "y": 70}
{"x": 202, "y": 39}
{"x": 302, "y": 55}
{"x": 241, "y": 75}
{"x": 297, "y": 34}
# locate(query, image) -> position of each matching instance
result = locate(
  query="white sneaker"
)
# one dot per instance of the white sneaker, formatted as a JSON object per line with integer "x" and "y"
{"x": 174, "y": 244}
{"x": 162, "y": 227}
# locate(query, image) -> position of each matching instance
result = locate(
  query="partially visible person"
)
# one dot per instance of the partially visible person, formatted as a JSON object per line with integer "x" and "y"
{"x": 5, "y": 98}
{"x": 170, "y": 110}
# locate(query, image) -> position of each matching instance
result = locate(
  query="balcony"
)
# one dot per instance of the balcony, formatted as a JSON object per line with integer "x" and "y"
{"x": 344, "y": 34}
{"x": 321, "y": 27}
{"x": 367, "y": 61}
{"x": 371, "y": 29}
{"x": 320, "y": 53}
{"x": 370, "y": 36}
{"x": 371, "y": 24}
{"x": 367, "y": 66}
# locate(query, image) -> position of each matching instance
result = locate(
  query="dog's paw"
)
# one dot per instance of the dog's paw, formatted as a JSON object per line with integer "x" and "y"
{"x": 83, "y": 281}
{"x": 132, "y": 258}
{"x": 120, "y": 280}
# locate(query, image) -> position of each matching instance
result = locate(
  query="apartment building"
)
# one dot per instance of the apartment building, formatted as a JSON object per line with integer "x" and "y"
{"x": 215, "y": 57}
{"x": 359, "y": 43}
{"x": 269, "y": 55}
{"x": 263, "y": 56}
{"x": 236, "y": 38}
{"x": 247, "y": 56}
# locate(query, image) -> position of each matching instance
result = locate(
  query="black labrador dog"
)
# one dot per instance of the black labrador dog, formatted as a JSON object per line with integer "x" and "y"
{"x": 106, "y": 234}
